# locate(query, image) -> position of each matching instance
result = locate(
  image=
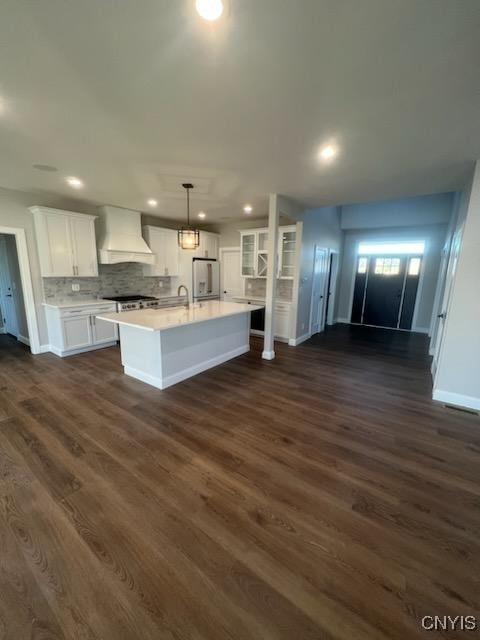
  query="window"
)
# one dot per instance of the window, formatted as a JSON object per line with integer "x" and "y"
{"x": 389, "y": 248}
{"x": 414, "y": 266}
{"x": 362, "y": 265}
{"x": 387, "y": 266}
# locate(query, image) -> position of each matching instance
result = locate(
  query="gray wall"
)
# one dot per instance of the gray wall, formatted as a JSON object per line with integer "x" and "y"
{"x": 457, "y": 378}
{"x": 434, "y": 236}
{"x": 320, "y": 227}
{"x": 404, "y": 212}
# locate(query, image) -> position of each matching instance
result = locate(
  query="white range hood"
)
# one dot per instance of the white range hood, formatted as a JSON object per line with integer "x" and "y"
{"x": 120, "y": 237}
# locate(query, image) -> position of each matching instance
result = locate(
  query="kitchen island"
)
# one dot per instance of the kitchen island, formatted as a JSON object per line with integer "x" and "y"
{"x": 164, "y": 346}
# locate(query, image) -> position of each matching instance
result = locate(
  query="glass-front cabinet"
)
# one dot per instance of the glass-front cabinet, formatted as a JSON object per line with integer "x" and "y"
{"x": 286, "y": 253}
{"x": 249, "y": 246}
{"x": 254, "y": 246}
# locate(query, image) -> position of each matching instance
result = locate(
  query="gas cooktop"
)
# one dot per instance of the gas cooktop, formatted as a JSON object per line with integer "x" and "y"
{"x": 129, "y": 298}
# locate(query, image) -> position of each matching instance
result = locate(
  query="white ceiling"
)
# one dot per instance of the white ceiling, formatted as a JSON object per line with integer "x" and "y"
{"x": 136, "y": 97}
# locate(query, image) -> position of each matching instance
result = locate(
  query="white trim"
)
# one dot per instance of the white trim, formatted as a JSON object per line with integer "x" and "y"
{"x": 45, "y": 348}
{"x": 221, "y": 249}
{"x": 24, "y": 340}
{"x": 163, "y": 383}
{"x": 420, "y": 287}
{"x": 456, "y": 399}
{"x": 27, "y": 288}
{"x": 294, "y": 342}
{"x": 296, "y": 281}
{"x": 334, "y": 259}
{"x": 64, "y": 353}
{"x": 268, "y": 355}
{"x": 343, "y": 321}
{"x": 3, "y": 330}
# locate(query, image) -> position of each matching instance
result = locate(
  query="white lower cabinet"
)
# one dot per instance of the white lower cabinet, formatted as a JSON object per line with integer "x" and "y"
{"x": 282, "y": 320}
{"x": 73, "y": 329}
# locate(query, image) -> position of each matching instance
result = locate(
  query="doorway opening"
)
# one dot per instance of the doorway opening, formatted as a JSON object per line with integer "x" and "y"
{"x": 386, "y": 285}
{"x": 13, "y": 319}
{"x": 230, "y": 273}
{"x": 17, "y": 304}
{"x": 324, "y": 281}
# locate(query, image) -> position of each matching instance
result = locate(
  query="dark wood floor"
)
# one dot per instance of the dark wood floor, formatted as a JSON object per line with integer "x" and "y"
{"x": 321, "y": 495}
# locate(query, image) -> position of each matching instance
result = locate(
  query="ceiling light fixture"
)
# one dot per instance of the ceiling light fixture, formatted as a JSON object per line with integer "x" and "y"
{"x": 328, "y": 152}
{"x": 210, "y": 10}
{"x": 152, "y": 202}
{"x": 202, "y": 215}
{"x": 188, "y": 237}
{"x": 76, "y": 183}
{"x": 248, "y": 208}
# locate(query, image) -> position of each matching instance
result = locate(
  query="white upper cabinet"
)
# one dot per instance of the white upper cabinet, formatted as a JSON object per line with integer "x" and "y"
{"x": 66, "y": 243}
{"x": 254, "y": 250}
{"x": 208, "y": 247}
{"x": 164, "y": 244}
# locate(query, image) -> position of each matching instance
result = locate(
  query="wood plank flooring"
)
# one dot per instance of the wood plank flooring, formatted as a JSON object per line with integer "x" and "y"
{"x": 318, "y": 496}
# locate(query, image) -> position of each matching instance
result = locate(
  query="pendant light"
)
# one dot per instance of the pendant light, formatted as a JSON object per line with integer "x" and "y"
{"x": 188, "y": 237}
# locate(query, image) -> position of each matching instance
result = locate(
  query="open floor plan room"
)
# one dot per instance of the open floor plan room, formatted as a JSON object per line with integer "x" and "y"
{"x": 239, "y": 319}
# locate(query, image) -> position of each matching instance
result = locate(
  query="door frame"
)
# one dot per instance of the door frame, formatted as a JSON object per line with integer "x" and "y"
{"x": 221, "y": 253}
{"x": 6, "y": 282}
{"x": 27, "y": 287}
{"x": 334, "y": 262}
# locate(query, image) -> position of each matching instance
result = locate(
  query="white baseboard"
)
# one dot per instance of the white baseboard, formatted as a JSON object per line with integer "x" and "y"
{"x": 294, "y": 342}
{"x": 456, "y": 399}
{"x": 342, "y": 320}
{"x": 168, "y": 381}
{"x": 23, "y": 340}
{"x": 3, "y": 330}
{"x": 73, "y": 352}
{"x": 268, "y": 355}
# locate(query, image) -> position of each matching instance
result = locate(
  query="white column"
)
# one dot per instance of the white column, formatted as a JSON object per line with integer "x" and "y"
{"x": 272, "y": 247}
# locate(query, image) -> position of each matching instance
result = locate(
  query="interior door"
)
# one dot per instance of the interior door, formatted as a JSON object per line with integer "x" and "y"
{"x": 230, "y": 275}
{"x": 383, "y": 297}
{"x": 319, "y": 286}
{"x": 9, "y": 312}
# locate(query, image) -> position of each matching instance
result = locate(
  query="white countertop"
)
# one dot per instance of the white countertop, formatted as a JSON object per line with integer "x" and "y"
{"x": 160, "y": 319}
{"x": 261, "y": 300}
{"x": 62, "y": 303}
{"x": 70, "y": 302}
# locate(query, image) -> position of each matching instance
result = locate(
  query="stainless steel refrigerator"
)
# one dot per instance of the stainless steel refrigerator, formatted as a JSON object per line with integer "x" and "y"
{"x": 206, "y": 279}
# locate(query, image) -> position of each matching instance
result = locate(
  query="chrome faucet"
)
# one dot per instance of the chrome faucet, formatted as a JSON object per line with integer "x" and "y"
{"x": 182, "y": 286}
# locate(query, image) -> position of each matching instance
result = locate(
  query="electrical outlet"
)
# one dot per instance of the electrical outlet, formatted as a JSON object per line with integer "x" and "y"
{"x": 303, "y": 326}
{"x": 75, "y": 286}
{"x": 160, "y": 284}
{"x": 249, "y": 286}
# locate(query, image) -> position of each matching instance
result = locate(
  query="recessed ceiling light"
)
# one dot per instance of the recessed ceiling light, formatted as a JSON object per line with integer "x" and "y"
{"x": 328, "y": 152}
{"x": 152, "y": 202}
{"x": 202, "y": 215}
{"x": 248, "y": 208}
{"x": 76, "y": 183}
{"x": 210, "y": 10}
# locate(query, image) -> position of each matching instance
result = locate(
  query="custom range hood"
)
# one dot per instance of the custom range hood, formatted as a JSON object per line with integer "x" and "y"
{"x": 120, "y": 237}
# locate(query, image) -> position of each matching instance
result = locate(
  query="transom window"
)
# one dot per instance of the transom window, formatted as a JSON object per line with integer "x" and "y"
{"x": 391, "y": 248}
{"x": 387, "y": 266}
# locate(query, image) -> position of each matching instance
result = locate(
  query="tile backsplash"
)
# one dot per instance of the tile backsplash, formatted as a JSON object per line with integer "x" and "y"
{"x": 113, "y": 279}
{"x": 259, "y": 285}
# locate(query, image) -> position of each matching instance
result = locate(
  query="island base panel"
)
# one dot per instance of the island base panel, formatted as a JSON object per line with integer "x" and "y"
{"x": 164, "y": 358}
